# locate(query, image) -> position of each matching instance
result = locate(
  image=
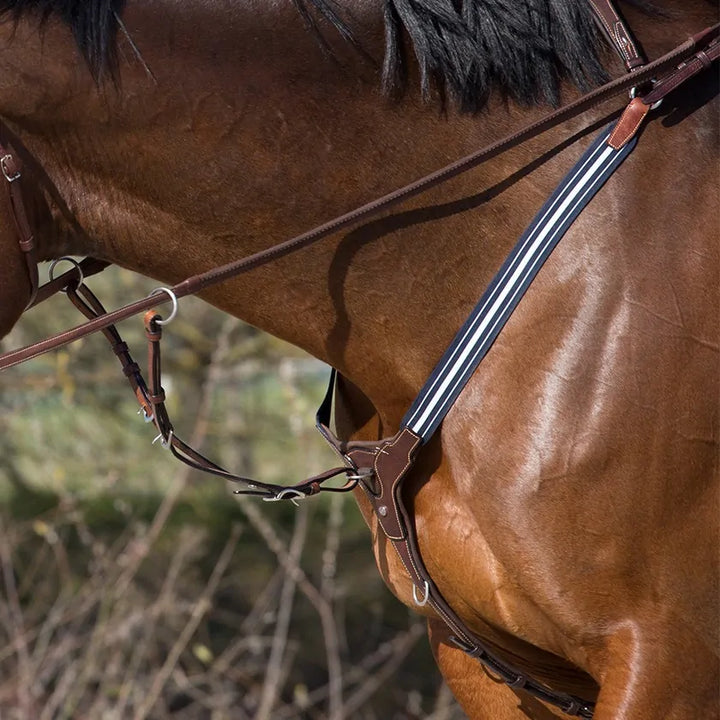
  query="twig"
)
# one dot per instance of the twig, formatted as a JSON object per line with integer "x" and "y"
{"x": 361, "y": 671}
{"x": 201, "y": 607}
{"x": 271, "y": 686}
{"x": 287, "y": 374}
{"x": 327, "y": 588}
{"x": 19, "y": 640}
{"x": 444, "y": 704}
{"x": 321, "y": 605}
{"x": 371, "y": 685}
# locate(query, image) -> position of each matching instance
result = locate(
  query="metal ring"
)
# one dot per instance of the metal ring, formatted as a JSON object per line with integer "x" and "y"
{"x": 421, "y": 602}
{"x": 70, "y": 260}
{"x": 634, "y": 90}
{"x": 174, "y": 299}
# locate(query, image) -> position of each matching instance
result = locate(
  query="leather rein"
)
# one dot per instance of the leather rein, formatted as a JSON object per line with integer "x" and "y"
{"x": 379, "y": 467}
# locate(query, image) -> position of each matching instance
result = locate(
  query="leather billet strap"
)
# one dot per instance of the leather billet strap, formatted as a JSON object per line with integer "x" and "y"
{"x": 618, "y": 33}
{"x": 11, "y": 168}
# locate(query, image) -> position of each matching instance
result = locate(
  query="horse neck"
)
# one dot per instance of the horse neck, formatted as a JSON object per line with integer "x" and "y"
{"x": 208, "y": 162}
{"x": 233, "y": 146}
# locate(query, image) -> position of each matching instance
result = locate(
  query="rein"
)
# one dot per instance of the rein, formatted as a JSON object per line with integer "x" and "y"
{"x": 379, "y": 467}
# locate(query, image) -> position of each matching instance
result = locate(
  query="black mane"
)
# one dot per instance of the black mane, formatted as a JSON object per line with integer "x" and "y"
{"x": 464, "y": 48}
{"x": 94, "y": 25}
{"x": 523, "y": 48}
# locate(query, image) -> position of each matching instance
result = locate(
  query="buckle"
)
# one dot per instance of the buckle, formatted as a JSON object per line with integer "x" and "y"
{"x": 7, "y": 162}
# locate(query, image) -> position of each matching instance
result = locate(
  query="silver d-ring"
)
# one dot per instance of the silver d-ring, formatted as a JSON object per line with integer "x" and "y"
{"x": 421, "y": 602}
{"x": 81, "y": 278}
{"x": 174, "y": 299}
{"x": 634, "y": 91}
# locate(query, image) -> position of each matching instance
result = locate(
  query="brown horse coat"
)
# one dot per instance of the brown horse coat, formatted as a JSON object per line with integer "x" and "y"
{"x": 568, "y": 509}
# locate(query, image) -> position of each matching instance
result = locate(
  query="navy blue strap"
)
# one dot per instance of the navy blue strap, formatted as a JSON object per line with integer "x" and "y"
{"x": 476, "y": 336}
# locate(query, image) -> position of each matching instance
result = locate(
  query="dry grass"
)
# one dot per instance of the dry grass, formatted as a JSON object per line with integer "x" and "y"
{"x": 91, "y": 628}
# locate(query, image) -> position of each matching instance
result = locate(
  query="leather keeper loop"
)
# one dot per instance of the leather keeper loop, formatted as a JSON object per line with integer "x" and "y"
{"x": 120, "y": 348}
{"x": 629, "y": 123}
{"x": 157, "y": 398}
{"x": 133, "y": 369}
{"x": 27, "y": 244}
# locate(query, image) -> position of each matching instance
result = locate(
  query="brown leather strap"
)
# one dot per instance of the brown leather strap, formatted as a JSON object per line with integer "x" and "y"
{"x": 11, "y": 168}
{"x": 700, "y": 61}
{"x": 88, "y": 268}
{"x": 382, "y": 467}
{"x": 618, "y": 33}
{"x": 389, "y": 465}
{"x": 639, "y": 107}
{"x": 217, "y": 275}
{"x": 629, "y": 123}
{"x": 89, "y": 305}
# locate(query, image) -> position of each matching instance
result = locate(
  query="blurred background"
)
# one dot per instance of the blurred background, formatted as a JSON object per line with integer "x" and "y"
{"x": 134, "y": 587}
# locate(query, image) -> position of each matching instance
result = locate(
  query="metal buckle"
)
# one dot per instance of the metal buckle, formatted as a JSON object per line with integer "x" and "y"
{"x": 634, "y": 91}
{"x": 146, "y": 418}
{"x": 6, "y": 172}
{"x": 287, "y": 494}
{"x": 164, "y": 442}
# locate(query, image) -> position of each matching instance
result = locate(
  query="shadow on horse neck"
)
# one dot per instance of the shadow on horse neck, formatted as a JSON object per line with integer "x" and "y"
{"x": 218, "y": 129}
{"x": 221, "y": 128}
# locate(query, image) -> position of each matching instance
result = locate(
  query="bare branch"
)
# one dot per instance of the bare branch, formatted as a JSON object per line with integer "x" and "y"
{"x": 19, "y": 639}
{"x": 273, "y": 673}
{"x": 202, "y": 605}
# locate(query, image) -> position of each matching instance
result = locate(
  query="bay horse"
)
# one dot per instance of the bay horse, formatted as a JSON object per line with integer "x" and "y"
{"x": 568, "y": 508}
